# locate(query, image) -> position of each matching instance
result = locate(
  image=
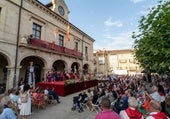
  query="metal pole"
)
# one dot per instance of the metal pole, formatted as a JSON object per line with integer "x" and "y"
{"x": 82, "y": 54}
{"x": 17, "y": 44}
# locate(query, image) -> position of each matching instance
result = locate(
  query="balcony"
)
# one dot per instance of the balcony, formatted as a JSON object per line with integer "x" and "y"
{"x": 54, "y": 47}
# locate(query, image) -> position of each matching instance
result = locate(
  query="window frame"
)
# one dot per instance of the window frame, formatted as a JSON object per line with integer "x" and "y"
{"x": 60, "y": 40}
{"x": 36, "y": 30}
{"x": 76, "y": 46}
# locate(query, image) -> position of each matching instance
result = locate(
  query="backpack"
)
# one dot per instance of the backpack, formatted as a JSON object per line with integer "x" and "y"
{"x": 24, "y": 98}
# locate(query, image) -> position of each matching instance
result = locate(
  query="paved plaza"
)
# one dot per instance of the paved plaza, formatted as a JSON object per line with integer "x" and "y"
{"x": 62, "y": 111}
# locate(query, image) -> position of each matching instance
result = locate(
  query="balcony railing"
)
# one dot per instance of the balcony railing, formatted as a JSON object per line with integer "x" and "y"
{"x": 54, "y": 47}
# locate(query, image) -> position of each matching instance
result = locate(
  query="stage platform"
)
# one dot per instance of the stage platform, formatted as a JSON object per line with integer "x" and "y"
{"x": 62, "y": 90}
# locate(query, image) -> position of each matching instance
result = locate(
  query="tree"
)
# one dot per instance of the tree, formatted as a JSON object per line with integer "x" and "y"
{"x": 152, "y": 41}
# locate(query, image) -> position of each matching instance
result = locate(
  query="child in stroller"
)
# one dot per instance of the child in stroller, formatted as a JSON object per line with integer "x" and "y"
{"x": 77, "y": 103}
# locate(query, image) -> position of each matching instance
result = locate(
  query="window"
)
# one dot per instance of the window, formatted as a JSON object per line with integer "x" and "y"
{"x": 76, "y": 46}
{"x": 0, "y": 10}
{"x": 36, "y": 31}
{"x": 86, "y": 50}
{"x": 101, "y": 61}
{"x": 61, "y": 40}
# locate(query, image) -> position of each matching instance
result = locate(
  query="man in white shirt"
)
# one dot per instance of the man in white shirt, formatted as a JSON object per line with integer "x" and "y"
{"x": 131, "y": 112}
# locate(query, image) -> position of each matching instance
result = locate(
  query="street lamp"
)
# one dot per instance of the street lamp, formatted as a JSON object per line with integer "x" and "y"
{"x": 17, "y": 44}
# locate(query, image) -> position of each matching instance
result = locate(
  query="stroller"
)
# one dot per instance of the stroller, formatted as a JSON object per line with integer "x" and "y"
{"x": 76, "y": 104}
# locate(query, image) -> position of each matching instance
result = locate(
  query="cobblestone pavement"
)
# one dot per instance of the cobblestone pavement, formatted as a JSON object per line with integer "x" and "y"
{"x": 61, "y": 111}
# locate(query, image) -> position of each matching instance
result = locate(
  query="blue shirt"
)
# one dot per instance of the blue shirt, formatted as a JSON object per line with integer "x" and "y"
{"x": 8, "y": 114}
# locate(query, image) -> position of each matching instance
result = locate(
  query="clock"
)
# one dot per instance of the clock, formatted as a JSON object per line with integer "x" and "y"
{"x": 61, "y": 10}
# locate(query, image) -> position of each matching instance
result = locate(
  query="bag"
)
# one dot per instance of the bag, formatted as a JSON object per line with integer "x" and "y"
{"x": 24, "y": 98}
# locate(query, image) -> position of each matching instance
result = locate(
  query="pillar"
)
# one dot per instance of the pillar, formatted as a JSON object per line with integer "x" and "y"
{"x": 11, "y": 76}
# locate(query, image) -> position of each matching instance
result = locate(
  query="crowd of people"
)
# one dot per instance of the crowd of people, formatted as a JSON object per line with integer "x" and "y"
{"x": 128, "y": 97}
{"x": 19, "y": 102}
{"x": 60, "y": 76}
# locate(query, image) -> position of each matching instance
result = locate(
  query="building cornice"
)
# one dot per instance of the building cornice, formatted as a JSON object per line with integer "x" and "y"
{"x": 48, "y": 11}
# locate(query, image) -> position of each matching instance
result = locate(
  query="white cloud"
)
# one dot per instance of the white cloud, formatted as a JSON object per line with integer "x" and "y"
{"x": 136, "y": 1}
{"x": 110, "y": 23}
{"x": 120, "y": 41}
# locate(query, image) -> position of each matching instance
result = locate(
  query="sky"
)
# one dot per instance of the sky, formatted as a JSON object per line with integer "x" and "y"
{"x": 109, "y": 22}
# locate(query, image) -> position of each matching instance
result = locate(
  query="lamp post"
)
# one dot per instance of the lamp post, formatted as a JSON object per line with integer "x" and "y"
{"x": 17, "y": 44}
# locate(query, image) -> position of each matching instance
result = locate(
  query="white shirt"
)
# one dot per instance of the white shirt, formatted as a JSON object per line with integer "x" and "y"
{"x": 156, "y": 96}
{"x": 46, "y": 92}
{"x": 123, "y": 115}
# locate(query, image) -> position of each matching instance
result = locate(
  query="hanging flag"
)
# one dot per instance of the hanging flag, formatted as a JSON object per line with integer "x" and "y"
{"x": 68, "y": 32}
{"x": 52, "y": 45}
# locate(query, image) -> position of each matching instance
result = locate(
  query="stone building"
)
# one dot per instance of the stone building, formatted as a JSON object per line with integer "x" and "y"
{"x": 32, "y": 31}
{"x": 120, "y": 62}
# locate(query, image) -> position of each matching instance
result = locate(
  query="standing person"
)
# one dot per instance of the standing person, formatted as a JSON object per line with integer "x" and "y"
{"x": 25, "y": 99}
{"x": 49, "y": 76}
{"x": 30, "y": 75}
{"x": 20, "y": 82}
{"x": 106, "y": 112}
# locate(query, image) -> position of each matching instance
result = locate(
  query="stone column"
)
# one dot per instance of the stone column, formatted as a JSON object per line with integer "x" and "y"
{"x": 11, "y": 77}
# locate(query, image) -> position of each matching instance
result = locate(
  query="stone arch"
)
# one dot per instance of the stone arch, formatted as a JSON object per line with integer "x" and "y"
{"x": 75, "y": 67}
{"x": 28, "y": 55}
{"x": 60, "y": 65}
{"x": 38, "y": 63}
{"x": 86, "y": 68}
{"x": 6, "y": 55}
{"x": 5, "y": 61}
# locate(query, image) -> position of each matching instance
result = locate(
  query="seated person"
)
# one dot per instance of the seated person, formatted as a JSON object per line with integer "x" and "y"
{"x": 155, "y": 95}
{"x": 131, "y": 112}
{"x": 46, "y": 92}
{"x": 122, "y": 103}
{"x": 76, "y": 103}
{"x": 14, "y": 96}
{"x": 83, "y": 97}
{"x": 145, "y": 105}
{"x": 6, "y": 112}
{"x": 55, "y": 95}
{"x": 155, "y": 111}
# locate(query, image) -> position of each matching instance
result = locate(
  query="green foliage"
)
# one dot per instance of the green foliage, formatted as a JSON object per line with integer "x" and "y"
{"x": 68, "y": 82}
{"x": 152, "y": 41}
